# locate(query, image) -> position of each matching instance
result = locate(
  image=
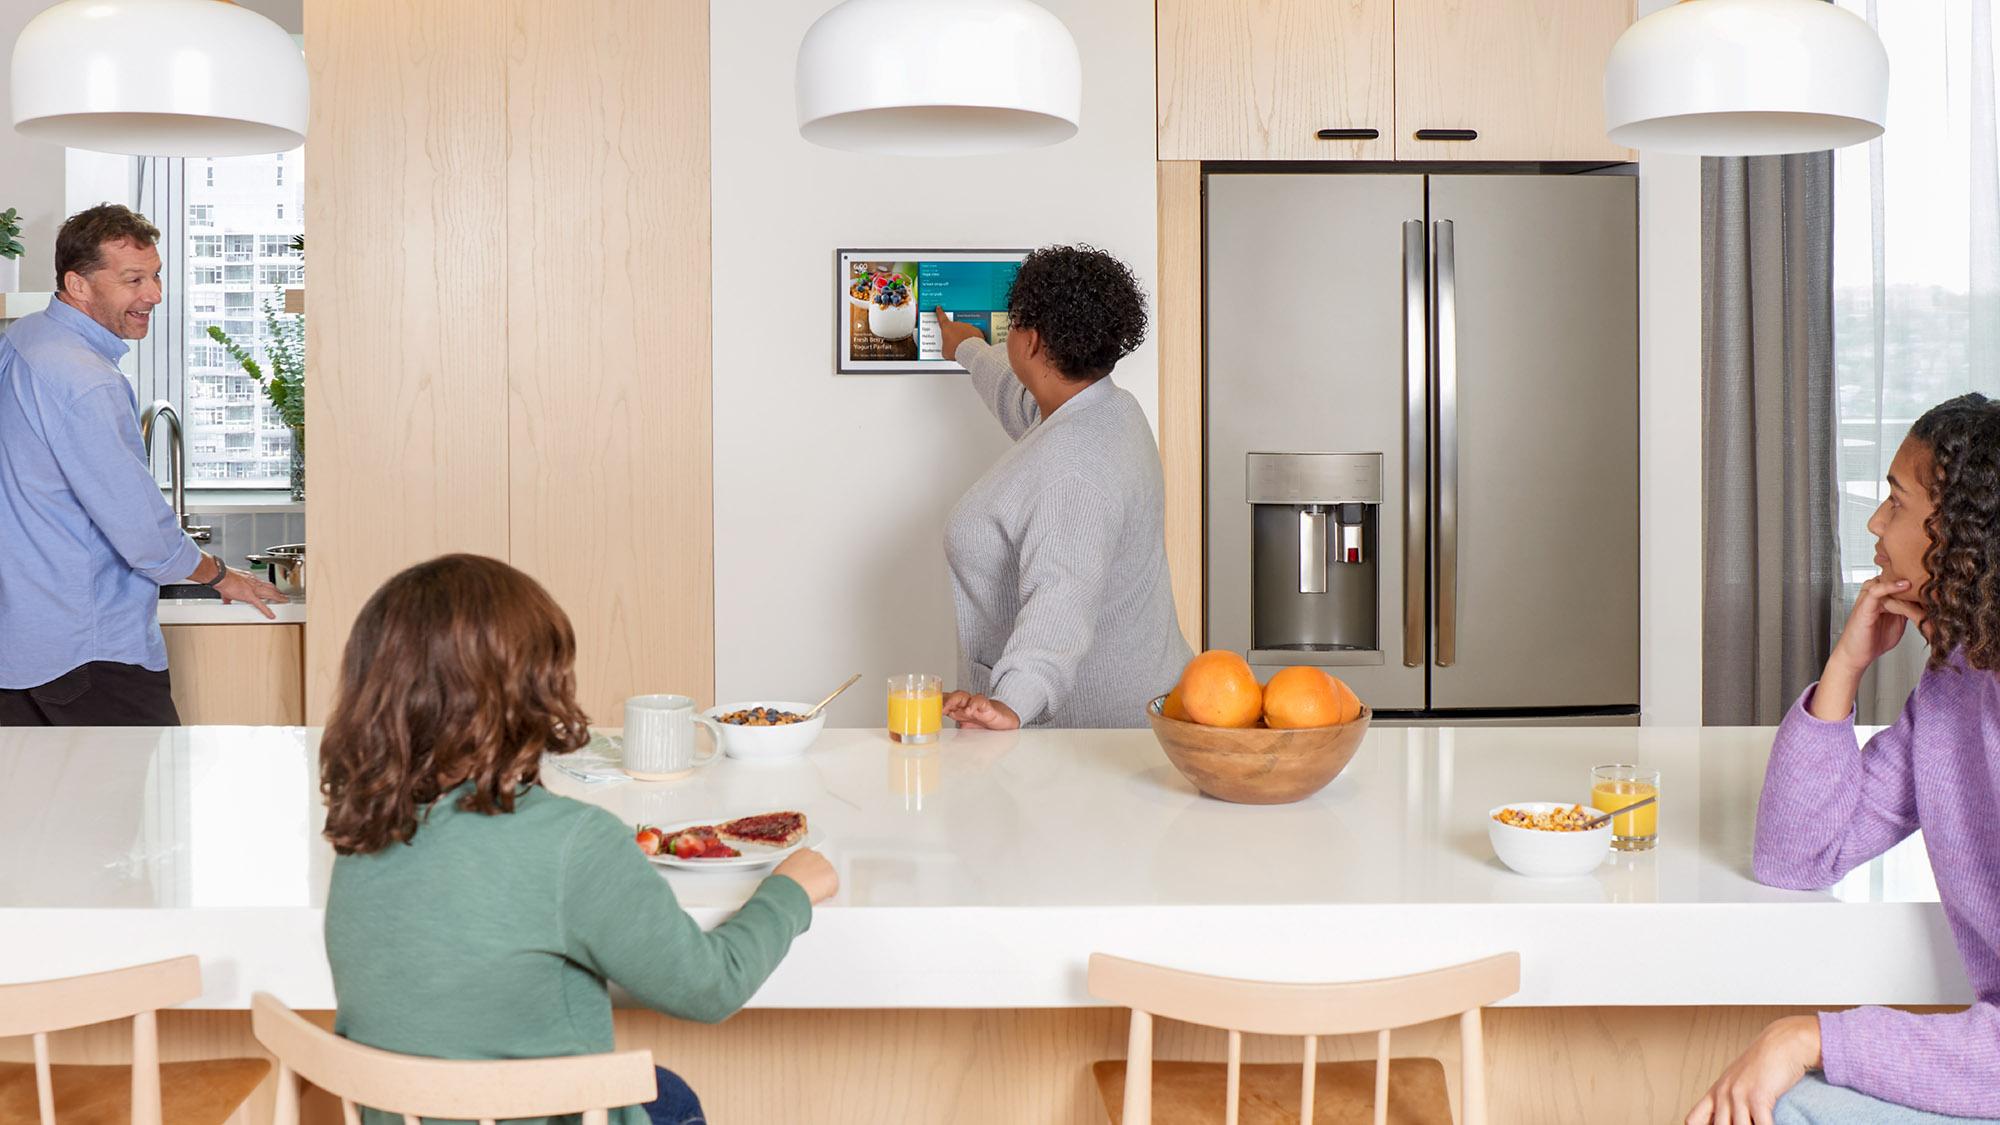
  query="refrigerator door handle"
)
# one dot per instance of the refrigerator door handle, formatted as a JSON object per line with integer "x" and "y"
{"x": 1416, "y": 450}
{"x": 1445, "y": 303}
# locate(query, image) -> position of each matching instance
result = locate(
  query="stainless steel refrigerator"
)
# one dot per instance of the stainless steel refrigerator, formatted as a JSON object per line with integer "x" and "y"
{"x": 1422, "y": 437}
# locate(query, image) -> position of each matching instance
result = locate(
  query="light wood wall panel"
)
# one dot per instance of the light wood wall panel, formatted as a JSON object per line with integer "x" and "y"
{"x": 509, "y": 331}
{"x": 1547, "y": 1065}
{"x": 242, "y": 675}
{"x": 608, "y": 338}
{"x": 1257, "y": 79}
{"x": 1179, "y": 334}
{"x": 406, "y": 203}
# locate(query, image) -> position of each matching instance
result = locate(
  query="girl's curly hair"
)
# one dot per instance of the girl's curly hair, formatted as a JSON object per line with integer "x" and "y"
{"x": 1962, "y": 599}
{"x": 459, "y": 669}
{"x": 1085, "y": 303}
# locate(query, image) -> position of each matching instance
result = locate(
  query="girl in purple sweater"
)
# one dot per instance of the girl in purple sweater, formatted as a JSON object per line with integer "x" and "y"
{"x": 1830, "y": 806}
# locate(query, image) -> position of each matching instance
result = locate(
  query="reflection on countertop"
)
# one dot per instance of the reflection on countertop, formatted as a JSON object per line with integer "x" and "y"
{"x": 984, "y": 871}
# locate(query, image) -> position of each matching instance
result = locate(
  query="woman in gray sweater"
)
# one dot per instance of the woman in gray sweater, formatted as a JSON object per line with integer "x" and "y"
{"x": 1058, "y": 554}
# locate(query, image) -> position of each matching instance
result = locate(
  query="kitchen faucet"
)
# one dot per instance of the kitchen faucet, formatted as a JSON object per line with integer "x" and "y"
{"x": 177, "y": 468}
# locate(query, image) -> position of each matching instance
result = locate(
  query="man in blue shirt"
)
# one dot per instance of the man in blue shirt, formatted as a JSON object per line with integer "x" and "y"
{"x": 86, "y": 539}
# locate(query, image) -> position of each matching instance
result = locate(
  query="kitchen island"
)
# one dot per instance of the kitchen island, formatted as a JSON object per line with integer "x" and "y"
{"x": 946, "y": 981}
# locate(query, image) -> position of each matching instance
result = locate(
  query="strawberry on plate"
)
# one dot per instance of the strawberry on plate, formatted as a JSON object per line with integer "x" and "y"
{"x": 649, "y": 840}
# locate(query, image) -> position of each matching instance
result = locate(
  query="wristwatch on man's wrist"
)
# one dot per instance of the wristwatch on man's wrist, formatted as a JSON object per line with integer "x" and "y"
{"x": 221, "y": 572}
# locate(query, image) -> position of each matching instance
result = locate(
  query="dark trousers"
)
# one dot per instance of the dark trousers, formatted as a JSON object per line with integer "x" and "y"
{"x": 98, "y": 694}
{"x": 676, "y": 1104}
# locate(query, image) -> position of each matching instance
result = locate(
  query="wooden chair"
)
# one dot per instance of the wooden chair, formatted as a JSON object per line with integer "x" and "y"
{"x": 1138, "y": 1092}
{"x": 145, "y": 1093}
{"x": 420, "y": 1087}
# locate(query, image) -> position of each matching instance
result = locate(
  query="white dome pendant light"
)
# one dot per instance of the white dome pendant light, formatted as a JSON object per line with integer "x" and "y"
{"x": 159, "y": 78}
{"x": 1746, "y": 78}
{"x": 938, "y": 78}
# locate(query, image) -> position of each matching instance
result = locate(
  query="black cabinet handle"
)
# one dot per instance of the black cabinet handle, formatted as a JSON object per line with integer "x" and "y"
{"x": 1348, "y": 134}
{"x": 1447, "y": 134}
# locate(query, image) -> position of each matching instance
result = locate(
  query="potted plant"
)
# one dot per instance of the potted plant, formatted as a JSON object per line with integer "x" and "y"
{"x": 285, "y": 385}
{"x": 10, "y": 250}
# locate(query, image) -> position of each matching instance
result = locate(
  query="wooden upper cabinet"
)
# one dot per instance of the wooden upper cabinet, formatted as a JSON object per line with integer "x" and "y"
{"x": 1526, "y": 75}
{"x": 1259, "y": 79}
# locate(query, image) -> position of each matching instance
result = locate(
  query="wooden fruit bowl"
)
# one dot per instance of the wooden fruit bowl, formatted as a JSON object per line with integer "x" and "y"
{"x": 1257, "y": 765}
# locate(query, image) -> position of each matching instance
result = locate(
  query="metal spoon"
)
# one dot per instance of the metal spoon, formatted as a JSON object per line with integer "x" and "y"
{"x": 1599, "y": 822}
{"x": 814, "y": 713}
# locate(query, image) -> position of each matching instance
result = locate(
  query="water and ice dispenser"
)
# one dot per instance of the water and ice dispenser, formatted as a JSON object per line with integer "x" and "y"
{"x": 1315, "y": 524}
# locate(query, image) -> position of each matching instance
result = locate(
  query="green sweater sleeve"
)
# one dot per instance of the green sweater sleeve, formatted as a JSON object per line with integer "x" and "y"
{"x": 622, "y": 921}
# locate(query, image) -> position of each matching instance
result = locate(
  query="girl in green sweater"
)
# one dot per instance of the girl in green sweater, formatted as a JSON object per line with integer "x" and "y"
{"x": 472, "y": 913}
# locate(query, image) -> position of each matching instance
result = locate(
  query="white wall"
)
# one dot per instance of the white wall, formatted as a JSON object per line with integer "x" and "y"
{"x": 31, "y": 172}
{"x": 831, "y": 492}
{"x": 1670, "y": 533}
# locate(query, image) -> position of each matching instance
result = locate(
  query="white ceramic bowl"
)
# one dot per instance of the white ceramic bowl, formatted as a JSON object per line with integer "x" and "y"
{"x": 1547, "y": 855}
{"x": 767, "y": 744}
{"x": 893, "y": 322}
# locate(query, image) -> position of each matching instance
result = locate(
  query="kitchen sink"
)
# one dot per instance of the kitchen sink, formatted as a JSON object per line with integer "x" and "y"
{"x": 188, "y": 590}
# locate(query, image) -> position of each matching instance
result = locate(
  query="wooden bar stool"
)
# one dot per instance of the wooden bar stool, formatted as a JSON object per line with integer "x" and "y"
{"x": 145, "y": 1093}
{"x": 417, "y": 1088}
{"x": 1138, "y": 1092}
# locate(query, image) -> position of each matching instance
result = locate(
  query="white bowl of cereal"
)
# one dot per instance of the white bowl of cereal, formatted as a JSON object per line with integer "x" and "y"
{"x": 767, "y": 730}
{"x": 1545, "y": 839}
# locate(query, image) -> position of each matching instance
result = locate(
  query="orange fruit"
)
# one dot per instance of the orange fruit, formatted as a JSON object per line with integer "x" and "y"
{"x": 1218, "y": 690}
{"x": 1171, "y": 707}
{"x": 1308, "y": 697}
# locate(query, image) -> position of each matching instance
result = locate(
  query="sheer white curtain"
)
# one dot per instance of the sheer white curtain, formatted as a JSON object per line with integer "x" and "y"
{"x": 1916, "y": 272}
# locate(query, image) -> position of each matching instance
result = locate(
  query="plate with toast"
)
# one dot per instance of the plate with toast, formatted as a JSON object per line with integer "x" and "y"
{"x": 756, "y": 840}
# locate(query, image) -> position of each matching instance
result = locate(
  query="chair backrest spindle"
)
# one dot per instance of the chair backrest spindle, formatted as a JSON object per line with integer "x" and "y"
{"x": 1306, "y": 1010}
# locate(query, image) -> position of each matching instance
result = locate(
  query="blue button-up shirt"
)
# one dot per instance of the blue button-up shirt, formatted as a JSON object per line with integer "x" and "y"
{"x": 86, "y": 540}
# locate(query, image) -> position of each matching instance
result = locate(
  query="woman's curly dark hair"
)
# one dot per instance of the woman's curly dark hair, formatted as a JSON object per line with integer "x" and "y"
{"x": 1086, "y": 305}
{"x": 459, "y": 669}
{"x": 1962, "y": 599}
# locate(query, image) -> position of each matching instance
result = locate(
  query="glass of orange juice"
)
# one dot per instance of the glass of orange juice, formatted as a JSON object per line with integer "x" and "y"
{"x": 1614, "y": 787}
{"x": 916, "y": 708}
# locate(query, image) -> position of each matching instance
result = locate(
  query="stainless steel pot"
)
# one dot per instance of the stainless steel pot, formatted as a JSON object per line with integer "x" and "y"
{"x": 288, "y": 567}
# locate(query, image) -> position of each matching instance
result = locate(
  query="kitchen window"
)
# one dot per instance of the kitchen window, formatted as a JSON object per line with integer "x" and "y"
{"x": 230, "y": 235}
{"x": 1916, "y": 246}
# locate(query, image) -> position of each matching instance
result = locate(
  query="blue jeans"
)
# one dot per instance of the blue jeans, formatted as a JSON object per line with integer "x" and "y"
{"x": 676, "y": 1104}
{"x": 1814, "y": 1102}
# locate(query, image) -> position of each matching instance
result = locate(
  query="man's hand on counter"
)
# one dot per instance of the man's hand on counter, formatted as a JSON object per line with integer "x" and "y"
{"x": 237, "y": 586}
{"x": 979, "y": 712}
{"x": 952, "y": 333}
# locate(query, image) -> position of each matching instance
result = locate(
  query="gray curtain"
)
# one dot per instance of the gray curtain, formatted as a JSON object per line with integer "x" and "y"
{"x": 1769, "y": 499}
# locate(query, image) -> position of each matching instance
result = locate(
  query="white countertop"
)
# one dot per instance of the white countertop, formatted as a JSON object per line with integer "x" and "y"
{"x": 984, "y": 872}
{"x": 212, "y": 611}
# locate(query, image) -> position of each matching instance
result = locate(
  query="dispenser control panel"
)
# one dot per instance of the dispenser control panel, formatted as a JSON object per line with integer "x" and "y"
{"x": 1315, "y": 478}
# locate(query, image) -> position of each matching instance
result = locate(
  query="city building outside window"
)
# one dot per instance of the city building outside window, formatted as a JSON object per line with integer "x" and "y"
{"x": 226, "y": 242}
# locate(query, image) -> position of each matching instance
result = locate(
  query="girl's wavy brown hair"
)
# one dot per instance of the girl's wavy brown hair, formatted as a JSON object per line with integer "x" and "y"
{"x": 1962, "y": 599}
{"x": 459, "y": 669}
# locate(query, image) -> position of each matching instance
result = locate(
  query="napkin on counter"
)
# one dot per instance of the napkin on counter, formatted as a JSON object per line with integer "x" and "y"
{"x": 598, "y": 763}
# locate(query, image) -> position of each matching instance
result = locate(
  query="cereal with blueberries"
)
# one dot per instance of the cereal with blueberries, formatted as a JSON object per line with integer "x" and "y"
{"x": 761, "y": 717}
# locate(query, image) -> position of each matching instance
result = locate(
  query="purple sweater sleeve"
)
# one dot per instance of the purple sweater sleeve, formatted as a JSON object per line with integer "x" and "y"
{"x": 1830, "y": 805}
{"x": 1946, "y": 1063}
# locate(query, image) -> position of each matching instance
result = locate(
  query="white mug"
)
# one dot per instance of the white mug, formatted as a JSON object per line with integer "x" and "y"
{"x": 659, "y": 737}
